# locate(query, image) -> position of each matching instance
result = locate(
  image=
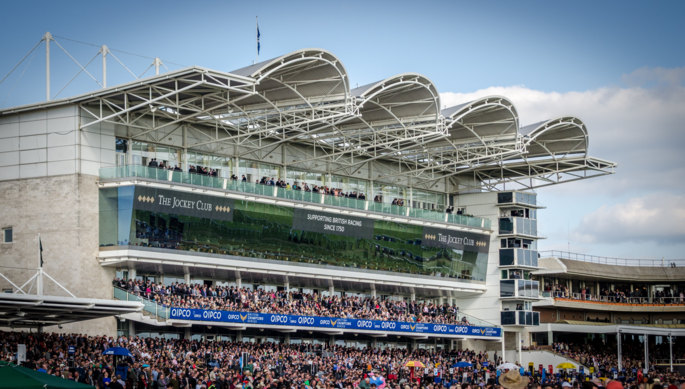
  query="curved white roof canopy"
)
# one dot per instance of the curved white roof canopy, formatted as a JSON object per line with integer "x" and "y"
{"x": 491, "y": 118}
{"x": 303, "y": 74}
{"x": 556, "y": 138}
{"x": 395, "y": 114}
{"x": 477, "y": 131}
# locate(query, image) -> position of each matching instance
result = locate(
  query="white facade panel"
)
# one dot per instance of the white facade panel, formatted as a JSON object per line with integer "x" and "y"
{"x": 90, "y": 168}
{"x": 9, "y": 158}
{"x": 61, "y": 153}
{"x": 9, "y": 119}
{"x": 65, "y": 124}
{"x": 8, "y": 130}
{"x": 33, "y": 156}
{"x": 107, "y": 157}
{"x": 90, "y": 153}
{"x": 90, "y": 139}
{"x": 62, "y": 139}
{"x": 107, "y": 141}
{"x": 56, "y": 168}
{"x": 33, "y": 127}
{"x": 64, "y": 111}
{"x": 32, "y": 142}
{"x": 9, "y": 172}
{"x": 33, "y": 170}
{"x": 29, "y": 116}
{"x": 9, "y": 144}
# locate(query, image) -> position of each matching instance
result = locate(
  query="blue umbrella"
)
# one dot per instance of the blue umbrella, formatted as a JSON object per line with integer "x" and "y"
{"x": 117, "y": 351}
{"x": 463, "y": 364}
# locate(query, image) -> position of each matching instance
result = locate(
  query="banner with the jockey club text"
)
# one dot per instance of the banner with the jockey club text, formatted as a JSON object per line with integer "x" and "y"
{"x": 331, "y": 323}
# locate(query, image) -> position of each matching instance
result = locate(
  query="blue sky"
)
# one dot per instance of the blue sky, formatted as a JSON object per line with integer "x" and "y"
{"x": 616, "y": 65}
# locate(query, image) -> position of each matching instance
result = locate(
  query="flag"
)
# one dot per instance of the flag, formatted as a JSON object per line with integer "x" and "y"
{"x": 40, "y": 244}
{"x": 258, "y": 43}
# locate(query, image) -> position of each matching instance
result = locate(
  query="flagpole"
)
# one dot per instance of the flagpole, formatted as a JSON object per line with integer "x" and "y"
{"x": 257, "y": 37}
{"x": 39, "y": 279}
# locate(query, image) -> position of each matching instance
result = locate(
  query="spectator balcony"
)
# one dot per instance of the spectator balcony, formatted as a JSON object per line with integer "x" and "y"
{"x": 557, "y": 299}
{"x": 519, "y": 226}
{"x": 137, "y": 172}
{"x": 518, "y": 258}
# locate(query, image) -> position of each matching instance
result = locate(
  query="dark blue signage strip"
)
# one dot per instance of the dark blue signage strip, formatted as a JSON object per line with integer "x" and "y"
{"x": 330, "y": 223}
{"x": 330, "y": 323}
{"x": 181, "y": 203}
{"x": 459, "y": 240}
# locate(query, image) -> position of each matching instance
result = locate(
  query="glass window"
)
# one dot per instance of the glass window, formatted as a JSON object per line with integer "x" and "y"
{"x": 505, "y": 197}
{"x": 7, "y": 235}
{"x": 508, "y": 317}
{"x": 507, "y": 288}
{"x": 506, "y": 257}
{"x": 506, "y": 225}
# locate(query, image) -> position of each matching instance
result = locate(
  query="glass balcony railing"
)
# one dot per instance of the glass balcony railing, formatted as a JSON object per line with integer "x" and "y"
{"x": 137, "y": 171}
{"x": 150, "y": 306}
{"x": 520, "y": 318}
{"x": 518, "y": 257}
{"x": 518, "y": 226}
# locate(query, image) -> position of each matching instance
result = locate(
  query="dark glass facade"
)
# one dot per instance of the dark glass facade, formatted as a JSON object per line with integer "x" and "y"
{"x": 266, "y": 231}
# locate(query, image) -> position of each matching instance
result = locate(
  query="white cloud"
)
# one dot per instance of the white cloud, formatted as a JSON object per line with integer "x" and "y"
{"x": 657, "y": 218}
{"x": 641, "y": 126}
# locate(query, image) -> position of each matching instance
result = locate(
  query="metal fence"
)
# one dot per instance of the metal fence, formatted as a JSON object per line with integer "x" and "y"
{"x": 646, "y": 262}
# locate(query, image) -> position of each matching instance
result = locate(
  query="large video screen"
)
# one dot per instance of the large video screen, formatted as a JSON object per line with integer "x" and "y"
{"x": 142, "y": 216}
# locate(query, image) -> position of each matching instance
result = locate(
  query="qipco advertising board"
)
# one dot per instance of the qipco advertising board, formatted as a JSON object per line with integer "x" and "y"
{"x": 268, "y": 319}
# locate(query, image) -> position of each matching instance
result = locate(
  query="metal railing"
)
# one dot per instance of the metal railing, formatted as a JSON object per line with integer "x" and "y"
{"x": 227, "y": 184}
{"x": 614, "y": 299}
{"x": 149, "y": 306}
{"x": 645, "y": 262}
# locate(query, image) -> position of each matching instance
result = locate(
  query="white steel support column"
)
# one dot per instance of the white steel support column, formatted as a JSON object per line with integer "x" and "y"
{"x": 504, "y": 359}
{"x": 646, "y": 338}
{"x": 48, "y": 38}
{"x": 670, "y": 352}
{"x": 104, "y": 50}
{"x": 518, "y": 345}
{"x": 157, "y": 63}
{"x": 619, "y": 350}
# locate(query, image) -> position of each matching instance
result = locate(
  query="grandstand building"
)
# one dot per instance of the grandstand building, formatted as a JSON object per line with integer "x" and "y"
{"x": 280, "y": 176}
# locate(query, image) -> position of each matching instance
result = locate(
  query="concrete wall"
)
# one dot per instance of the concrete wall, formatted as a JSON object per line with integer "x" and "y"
{"x": 64, "y": 210}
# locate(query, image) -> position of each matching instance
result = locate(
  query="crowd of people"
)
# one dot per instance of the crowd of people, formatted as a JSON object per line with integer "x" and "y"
{"x": 196, "y": 169}
{"x": 304, "y": 186}
{"x": 620, "y": 295}
{"x": 194, "y": 364}
{"x": 590, "y": 355}
{"x": 231, "y": 298}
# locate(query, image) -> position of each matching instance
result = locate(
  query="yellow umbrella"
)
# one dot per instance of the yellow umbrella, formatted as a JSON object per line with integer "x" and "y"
{"x": 566, "y": 365}
{"x": 414, "y": 364}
